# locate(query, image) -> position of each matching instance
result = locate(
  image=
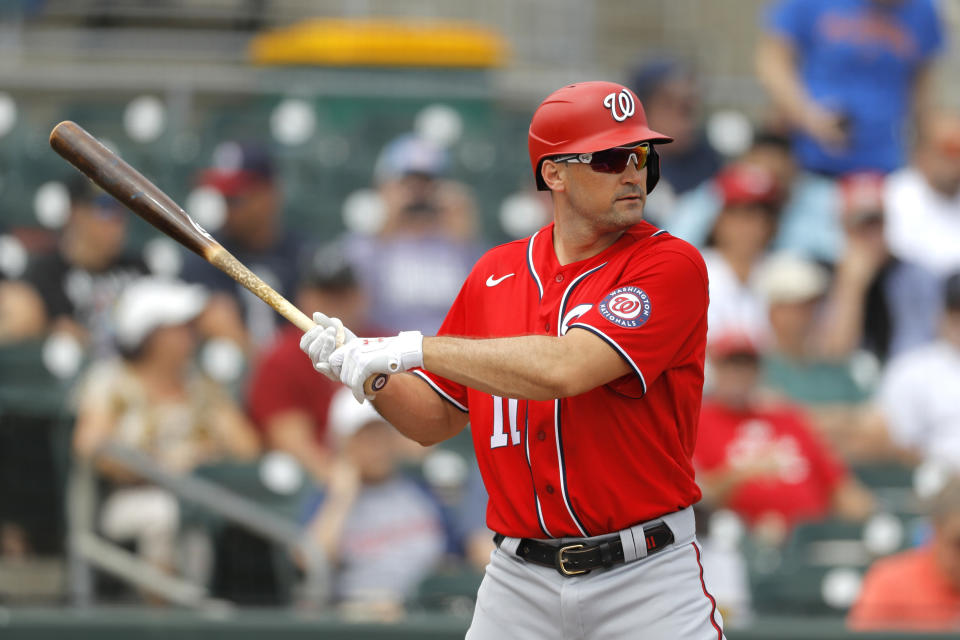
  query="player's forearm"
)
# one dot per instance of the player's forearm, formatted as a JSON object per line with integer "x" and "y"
{"x": 417, "y": 411}
{"x": 527, "y": 367}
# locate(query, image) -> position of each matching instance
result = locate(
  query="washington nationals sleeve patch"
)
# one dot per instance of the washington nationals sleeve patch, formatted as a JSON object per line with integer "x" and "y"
{"x": 627, "y": 307}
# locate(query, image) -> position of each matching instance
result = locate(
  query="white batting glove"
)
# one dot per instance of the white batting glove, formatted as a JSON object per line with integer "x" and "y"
{"x": 323, "y": 340}
{"x": 358, "y": 360}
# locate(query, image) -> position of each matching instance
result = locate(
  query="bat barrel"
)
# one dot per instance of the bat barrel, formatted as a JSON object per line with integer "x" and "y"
{"x": 128, "y": 185}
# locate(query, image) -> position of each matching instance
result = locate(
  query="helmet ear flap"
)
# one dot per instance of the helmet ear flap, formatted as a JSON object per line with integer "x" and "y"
{"x": 653, "y": 169}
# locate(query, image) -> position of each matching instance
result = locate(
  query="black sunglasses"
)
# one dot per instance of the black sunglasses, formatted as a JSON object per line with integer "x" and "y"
{"x": 613, "y": 160}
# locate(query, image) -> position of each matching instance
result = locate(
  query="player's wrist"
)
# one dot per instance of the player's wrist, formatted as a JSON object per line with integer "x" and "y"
{"x": 410, "y": 349}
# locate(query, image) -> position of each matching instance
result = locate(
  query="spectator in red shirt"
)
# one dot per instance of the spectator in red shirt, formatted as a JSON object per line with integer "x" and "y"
{"x": 918, "y": 589}
{"x": 288, "y": 402}
{"x": 761, "y": 456}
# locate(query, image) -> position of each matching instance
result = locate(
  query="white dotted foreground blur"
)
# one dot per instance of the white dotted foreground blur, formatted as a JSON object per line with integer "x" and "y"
{"x": 208, "y": 207}
{"x": 364, "y": 211}
{"x": 51, "y": 204}
{"x": 729, "y": 132}
{"x": 293, "y": 122}
{"x": 8, "y": 113}
{"x": 13, "y": 257}
{"x": 222, "y": 360}
{"x": 439, "y": 124}
{"x": 145, "y": 118}
{"x": 163, "y": 257}
{"x": 522, "y": 213}
{"x": 840, "y": 587}
{"x": 62, "y": 355}
{"x": 281, "y": 473}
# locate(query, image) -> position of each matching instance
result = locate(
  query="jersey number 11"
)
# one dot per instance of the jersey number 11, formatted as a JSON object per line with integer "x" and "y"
{"x": 499, "y": 437}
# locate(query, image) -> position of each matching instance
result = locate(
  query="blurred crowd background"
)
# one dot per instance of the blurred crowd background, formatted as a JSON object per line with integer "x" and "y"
{"x": 164, "y": 445}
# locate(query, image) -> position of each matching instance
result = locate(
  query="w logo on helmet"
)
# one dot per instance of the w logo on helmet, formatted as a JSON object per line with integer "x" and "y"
{"x": 623, "y": 101}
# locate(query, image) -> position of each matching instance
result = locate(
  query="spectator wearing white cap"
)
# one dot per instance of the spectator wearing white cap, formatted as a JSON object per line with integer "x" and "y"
{"x": 152, "y": 400}
{"x": 383, "y": 531}
{"x": 794, "y": 289}
{"x": 833, "y": 390}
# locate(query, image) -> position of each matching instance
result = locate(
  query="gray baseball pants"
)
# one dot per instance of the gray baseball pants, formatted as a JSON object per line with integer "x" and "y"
{"x": 657, "y": 597}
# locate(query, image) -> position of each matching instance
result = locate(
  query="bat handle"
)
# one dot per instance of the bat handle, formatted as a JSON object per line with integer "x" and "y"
{"x": 223, "y": 260}
{"x": 375, "y": 383}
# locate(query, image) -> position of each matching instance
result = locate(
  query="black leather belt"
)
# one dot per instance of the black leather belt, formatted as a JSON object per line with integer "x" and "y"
{"x": 577, "y": 558}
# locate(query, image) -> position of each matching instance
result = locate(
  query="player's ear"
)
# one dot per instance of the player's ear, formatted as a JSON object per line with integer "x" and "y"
{"x": 554, "y": 175}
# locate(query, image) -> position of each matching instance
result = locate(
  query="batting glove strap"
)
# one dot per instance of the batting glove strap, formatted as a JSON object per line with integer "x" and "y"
{"x": 409, "y": 349}
{"x": 358, "y": 360}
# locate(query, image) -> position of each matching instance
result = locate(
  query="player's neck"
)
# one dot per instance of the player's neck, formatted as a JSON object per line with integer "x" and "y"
{"x": 573, "y": 242}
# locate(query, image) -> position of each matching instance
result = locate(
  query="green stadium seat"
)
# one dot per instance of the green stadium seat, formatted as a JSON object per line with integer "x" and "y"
{"x": 451, "y": 588}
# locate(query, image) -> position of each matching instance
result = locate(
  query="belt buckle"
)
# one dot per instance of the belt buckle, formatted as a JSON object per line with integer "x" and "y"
{"x": 563, "y": 569}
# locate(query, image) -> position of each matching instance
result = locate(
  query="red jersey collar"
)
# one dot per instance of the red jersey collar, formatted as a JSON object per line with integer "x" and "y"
{"x": 544, "y": 260}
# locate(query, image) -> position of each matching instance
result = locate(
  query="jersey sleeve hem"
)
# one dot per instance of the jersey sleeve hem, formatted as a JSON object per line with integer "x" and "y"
{"x": 443, "y": 394}
{"x": 616, "y": 347}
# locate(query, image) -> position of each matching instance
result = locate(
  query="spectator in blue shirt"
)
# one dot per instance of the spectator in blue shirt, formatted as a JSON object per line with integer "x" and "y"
{"x": 847, "y": 74}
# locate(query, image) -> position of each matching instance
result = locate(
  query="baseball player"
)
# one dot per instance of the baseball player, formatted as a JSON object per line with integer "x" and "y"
{"x": 577, "y": 356}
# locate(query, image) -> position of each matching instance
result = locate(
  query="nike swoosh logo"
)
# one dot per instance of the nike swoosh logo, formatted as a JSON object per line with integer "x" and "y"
{"x": 492, "y": 282}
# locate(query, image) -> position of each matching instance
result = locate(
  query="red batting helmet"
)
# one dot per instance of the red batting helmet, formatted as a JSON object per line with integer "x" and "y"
{"x": 588, "y": 117}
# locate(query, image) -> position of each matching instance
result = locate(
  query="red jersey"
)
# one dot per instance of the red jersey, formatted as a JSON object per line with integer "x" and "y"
{"x": 284, "y": 380}
{"x": 807, "y": 471}
{"x": 618, "y": 454}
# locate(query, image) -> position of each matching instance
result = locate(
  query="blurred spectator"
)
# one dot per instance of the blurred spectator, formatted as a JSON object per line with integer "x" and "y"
{"x": 847, "y": 75}
{"x": 833, "y": 390}
{"x": 923, "y": 200}
{"x": 472, "y": 522}
{"x": 737, "y": 246}
{"x": 383, "y": 532}
{"x": 253, "y": 231}
{"x": 762, "y": 458}
{"x": 793, "y": 288}
{"x": 80, "y": 281}
{"x": 413, "y": 267}
{"x": 878, "y": 302}
{"x": 918, "y": 589}
{"x": 671, "y": 99}
{"x": 809, "y": 221}
{"x": 919, "y": 392}
{"x": 22, "y": 313}
{"x": 153, "y": 401}
{"x": 288, "y": 400}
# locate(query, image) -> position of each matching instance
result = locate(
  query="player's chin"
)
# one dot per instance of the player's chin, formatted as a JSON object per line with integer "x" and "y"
{"x": 633, "y": 205}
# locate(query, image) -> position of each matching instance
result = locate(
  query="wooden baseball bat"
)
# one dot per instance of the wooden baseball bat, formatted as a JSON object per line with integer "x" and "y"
{"x": 144, "y": 198}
